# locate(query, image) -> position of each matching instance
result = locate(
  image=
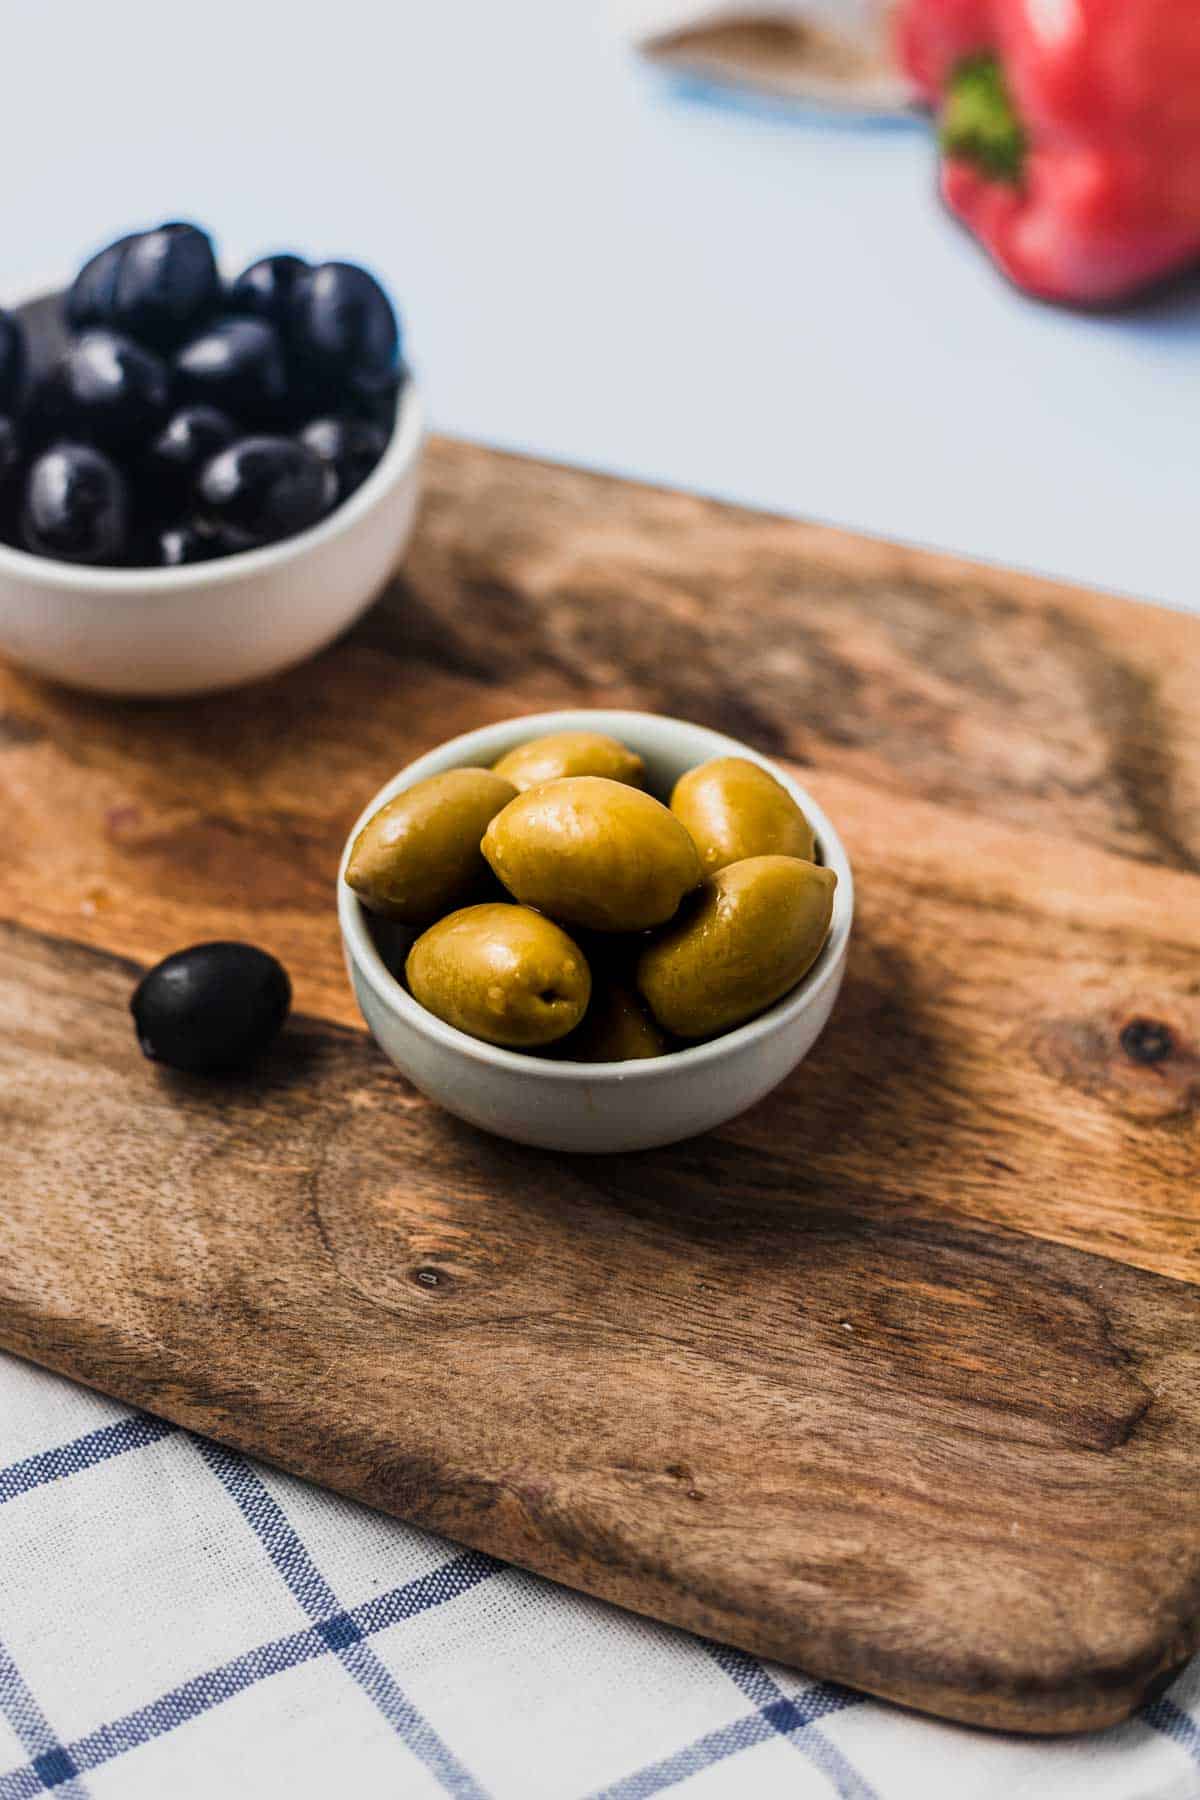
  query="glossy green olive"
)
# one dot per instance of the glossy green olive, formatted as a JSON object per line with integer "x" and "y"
{"x": 502, "y": 973}
{"x": 617, "y": 1028}
{"x": 565, "y": 753}
{"x": 420, "y": 855}
{"x": 734, "y": 808}
{"x": 743, "y": 942}
{"x": 594, "y": 853}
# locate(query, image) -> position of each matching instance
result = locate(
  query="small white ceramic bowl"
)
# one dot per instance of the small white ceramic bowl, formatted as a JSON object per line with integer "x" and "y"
{"x": 206, "y": 626}
{"x": 597, "y": 1106}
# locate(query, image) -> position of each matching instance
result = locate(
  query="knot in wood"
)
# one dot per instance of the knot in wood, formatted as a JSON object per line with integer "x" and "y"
{"x": 1147, "y": 1041}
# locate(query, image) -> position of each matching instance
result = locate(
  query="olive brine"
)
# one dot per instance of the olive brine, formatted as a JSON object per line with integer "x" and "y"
{"x": 563, "y": 909}
{"x": 172, "y": 418}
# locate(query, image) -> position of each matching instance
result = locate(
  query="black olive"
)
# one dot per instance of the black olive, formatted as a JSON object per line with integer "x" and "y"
{"x": 12, "y": 359}
{"x": 238, "y": 366}
{"x": 105, "y": 390}
{"x": 263, "y": 488}
{"x": 90, "y": 296}
{"x": 344, "y": 333}
{"x": 166, "y": 285}
{"x": 76, "y": 506}
{"x": 351, "y": 447}
{"x": 176, "y": 456}
{"x": 173, "y": 546}
{"x": 376, "y": 401}
{"x": 11, "y": 451}
{"x": 11, "y": 472}
{"x": 212, "y": 1007}
{"x": 267, "y": 286}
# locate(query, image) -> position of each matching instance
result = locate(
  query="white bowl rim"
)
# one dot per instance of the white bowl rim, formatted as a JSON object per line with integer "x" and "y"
{"x": 403, "y": 447}
{"x": 367, "y": 960}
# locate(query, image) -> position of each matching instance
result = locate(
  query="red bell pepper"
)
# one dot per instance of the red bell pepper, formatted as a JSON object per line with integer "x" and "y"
{"x": 1070, "y": 133}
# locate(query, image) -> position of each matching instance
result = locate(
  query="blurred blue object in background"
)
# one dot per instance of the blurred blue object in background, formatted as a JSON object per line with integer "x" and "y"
{"x": 757, "y": 102}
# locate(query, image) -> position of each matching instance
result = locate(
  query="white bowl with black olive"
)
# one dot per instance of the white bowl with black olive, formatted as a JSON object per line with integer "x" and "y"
{"x": 214, "y": 500}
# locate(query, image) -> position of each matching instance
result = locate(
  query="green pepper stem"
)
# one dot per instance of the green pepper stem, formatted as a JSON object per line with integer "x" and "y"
{"x": 978, "y": 121}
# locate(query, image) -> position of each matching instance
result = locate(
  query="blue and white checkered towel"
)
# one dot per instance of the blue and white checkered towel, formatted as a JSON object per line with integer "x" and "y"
{"x": 178, "y": 1623}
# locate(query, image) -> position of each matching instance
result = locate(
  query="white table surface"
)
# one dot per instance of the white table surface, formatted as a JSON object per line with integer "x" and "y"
{"x": 767, "y": 309}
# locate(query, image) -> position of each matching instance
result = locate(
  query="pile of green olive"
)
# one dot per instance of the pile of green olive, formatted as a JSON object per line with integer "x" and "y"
{"x": 563, "y": 908}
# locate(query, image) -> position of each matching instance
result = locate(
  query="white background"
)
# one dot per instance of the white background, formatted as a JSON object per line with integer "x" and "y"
{"x": 592, "y": 268}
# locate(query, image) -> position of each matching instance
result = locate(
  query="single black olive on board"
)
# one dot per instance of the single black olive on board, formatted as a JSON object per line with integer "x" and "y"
{"x": 105, "y": 390}
{"x": 89, "y": 298}
{"x": 166, "y": 284}
{"x": 267, "y": 287}
{"x": 76, "y": 506}
{"x": 12, "y": 359}
{"x": 351, "y": 448}
{"x": 211, "y": 1007}
{"x": 189, "y": 439}
{"x": 343, "y": 329}
{"x": 236, "y": 365}
{"x": 264, "y": 488}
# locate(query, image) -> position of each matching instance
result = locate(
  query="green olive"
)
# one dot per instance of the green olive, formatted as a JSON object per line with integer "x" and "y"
{"x": 593, "y": 852}
{"x": 617, "y": 1028}
{"x": 420, "y": 854}
{"x": 734, "y": 808}
{"x": 748, "y": 936}
{"x": 501, "y": 973}
{"x": 564, "y": 753}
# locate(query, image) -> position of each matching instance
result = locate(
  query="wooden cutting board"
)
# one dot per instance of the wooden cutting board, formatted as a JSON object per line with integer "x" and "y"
{"x": 896, "y": 1378}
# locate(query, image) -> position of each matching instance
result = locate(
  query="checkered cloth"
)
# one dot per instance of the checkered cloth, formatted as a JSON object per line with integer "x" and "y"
{"x": 176, "y": 1621}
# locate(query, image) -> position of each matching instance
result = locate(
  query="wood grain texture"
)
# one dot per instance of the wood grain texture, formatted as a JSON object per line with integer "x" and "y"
{"x": 840, "y": 1383}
